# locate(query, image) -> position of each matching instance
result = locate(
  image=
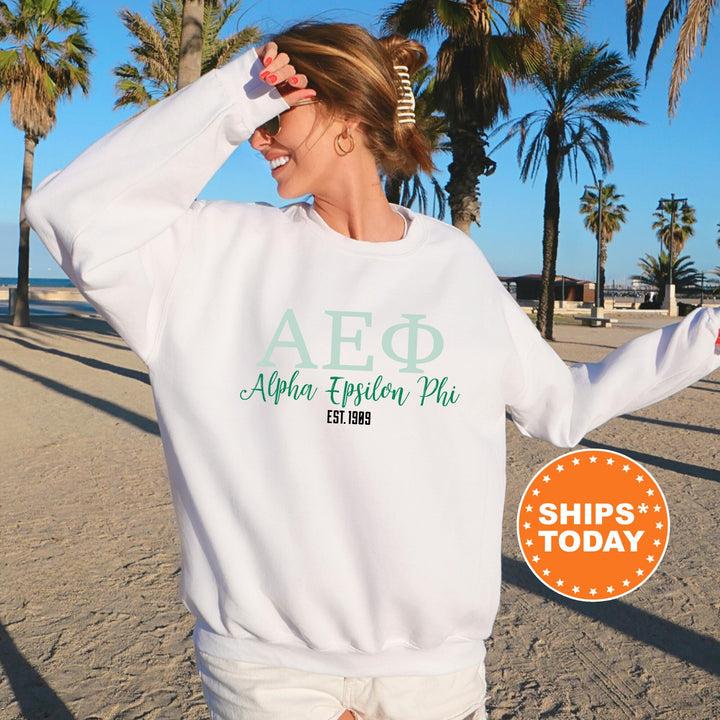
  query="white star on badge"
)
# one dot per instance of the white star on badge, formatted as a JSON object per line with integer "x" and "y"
{"x": 546, "y": 478}
{"x": 576, "y": 461}
{"x": 576, "y": 589}
{"x": 626, "y": 582}
{"x": 560, "y": 583}
{"x": 559, "y": 468}
{"x": 536, "y": 558}
{"x": 626, "y": 468}
{"x": 658, "y": 526}
{"x": 650, "y": 558}
{"x": 526, "y": 526}
{"x": 643, "y": 508}
{"x": 656, "y": 543}
{"x": 546, "y": 572}
{"x": 593, "y": 591}
{"x": 528, "y": 508}
{"x": 536, "y": 492}
{"x": 611, "y": 589}
{"x": 639, "y": 478}
{"x": 528, "y": 542}
{"x": 650, "y": 491}
{"x": 657, "y": 508}
{"x": 640, "y": 572}
{"x": 610, "y": 461}
{"x": 593, "y": 459}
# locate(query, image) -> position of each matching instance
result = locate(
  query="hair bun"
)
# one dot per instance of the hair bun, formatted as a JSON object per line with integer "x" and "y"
{"x": 405, "y": 51}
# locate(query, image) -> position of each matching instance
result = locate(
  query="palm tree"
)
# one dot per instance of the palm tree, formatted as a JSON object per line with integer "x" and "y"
{"x": 485, "y": 44}
{"x": 153, "y": 74}
{"x": 43, "y": 58}
{"x": 584, "y": 86}
{"x": 693, "y": 30}
{"x": 613, "y": 215}
{"x": 656, "y": 273}
{"x": 684, "y": 224}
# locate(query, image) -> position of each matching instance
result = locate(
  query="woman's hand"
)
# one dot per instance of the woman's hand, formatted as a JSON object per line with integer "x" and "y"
{"x": 279, "y": 73}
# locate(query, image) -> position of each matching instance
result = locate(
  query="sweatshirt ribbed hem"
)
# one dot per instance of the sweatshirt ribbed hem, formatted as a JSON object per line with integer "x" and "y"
{"x": 401, "y": 660}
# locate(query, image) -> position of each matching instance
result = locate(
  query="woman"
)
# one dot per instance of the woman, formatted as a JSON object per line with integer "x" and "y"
{"x": 332, "y": 390}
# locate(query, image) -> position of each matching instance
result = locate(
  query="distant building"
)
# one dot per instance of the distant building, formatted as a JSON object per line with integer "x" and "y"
{"x": 527, "y": 287}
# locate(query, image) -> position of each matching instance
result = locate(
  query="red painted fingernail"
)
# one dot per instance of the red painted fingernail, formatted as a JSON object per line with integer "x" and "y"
{"x": 294, "y": 80}
{"x": 272, "y": 79}
{"x": 264, "y": 74}
{"x": 267, "y": 60}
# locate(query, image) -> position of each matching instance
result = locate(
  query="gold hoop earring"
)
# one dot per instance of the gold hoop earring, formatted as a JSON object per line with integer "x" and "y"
{"x": 344, "y": 135}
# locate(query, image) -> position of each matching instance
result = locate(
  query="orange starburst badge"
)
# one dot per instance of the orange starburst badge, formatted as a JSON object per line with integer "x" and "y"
{"x": 593, "y": 525}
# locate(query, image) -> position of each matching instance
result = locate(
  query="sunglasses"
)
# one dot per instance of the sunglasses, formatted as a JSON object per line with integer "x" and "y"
{"x": 272, "y": 126}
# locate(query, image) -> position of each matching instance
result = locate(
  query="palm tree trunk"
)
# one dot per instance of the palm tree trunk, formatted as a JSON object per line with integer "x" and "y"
{"x": 21, "y": 317}
{"x": 551, "y": 224}
{"x": 603, "y": 260}
{"x": 393, "y": 185}
{"x": 190, "y": 63}
{"x": 469, "y": 162}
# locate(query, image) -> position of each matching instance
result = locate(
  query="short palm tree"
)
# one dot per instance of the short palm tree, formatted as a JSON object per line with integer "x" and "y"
{"x": 656, "y": 273}
{"x": 614, "y": 214}
{"x": 681, "y": 229}
{"x": 696, "y": 16}
{"x": 153, "y": 74}
{"x": 485, "y": 44}
{"x": 584, "y": 86}
{"x": 44, "y": 56}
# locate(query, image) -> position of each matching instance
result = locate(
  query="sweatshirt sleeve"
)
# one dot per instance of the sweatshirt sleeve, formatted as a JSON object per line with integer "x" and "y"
{"x": 561, "y": 404}
{"x": 118, "y": 217}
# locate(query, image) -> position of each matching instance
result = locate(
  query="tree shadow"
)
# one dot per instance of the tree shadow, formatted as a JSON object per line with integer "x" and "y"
{"x": 141, "y": 422}
{"x": 88, "y": 329}
{"x": 33, "y": 694}
{"x": 669, "y": 423}
{"x": 682, "y": 468}
{"x": 89, "y": 361}
{"x": 702, "y": 651}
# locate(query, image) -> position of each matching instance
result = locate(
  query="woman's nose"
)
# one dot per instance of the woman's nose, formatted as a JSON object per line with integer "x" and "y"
{"x": 259, "y": 139}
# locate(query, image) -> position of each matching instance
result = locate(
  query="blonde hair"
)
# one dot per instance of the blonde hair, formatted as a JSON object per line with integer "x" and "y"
{"x": 353, "y": 74}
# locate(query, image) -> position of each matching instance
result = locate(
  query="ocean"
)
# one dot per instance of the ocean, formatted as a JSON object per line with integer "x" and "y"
{"x": 37, "y": 282}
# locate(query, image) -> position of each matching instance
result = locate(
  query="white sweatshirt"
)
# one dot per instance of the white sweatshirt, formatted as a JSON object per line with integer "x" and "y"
{"x": 332, "y": 411}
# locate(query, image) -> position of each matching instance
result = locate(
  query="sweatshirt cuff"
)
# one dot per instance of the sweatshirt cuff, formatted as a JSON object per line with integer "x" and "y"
{"x": 240, "y": 79}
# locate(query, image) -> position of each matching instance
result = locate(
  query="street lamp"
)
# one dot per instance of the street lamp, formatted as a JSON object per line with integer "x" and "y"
{"x": 670, "y": 303}
{"x": 597, "y": 310}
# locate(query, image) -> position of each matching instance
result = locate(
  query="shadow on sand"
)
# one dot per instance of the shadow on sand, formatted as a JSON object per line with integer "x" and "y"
{"x": 692, "y": 647}
{"x": 34, "y": 696}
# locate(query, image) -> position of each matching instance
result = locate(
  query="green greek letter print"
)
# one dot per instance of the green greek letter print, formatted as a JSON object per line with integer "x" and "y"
{"x": 297, "y": 342}
{"x": 412, "y": 328}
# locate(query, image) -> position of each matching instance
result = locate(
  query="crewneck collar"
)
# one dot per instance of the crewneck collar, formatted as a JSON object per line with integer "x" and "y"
{"x": 411, "y": 241}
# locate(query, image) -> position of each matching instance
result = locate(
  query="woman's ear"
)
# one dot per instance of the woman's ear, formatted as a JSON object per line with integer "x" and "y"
{"x": 350, "y": 124}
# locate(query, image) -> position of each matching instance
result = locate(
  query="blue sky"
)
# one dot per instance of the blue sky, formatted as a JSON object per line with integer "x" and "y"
{"x": 653, "y": 161}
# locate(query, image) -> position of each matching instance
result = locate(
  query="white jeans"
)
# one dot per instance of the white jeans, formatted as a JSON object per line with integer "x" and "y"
{"x": 243, "y": 691}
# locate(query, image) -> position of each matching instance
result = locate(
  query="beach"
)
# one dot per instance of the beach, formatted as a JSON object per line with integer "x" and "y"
{"x": 91, "y": 627}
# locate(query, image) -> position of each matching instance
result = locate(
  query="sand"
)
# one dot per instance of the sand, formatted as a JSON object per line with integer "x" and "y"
{"x": 91, "y": 626}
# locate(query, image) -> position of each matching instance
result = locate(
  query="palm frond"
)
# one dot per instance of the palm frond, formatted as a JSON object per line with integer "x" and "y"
{"x": 155, "y": 54}
{"x": 693, "y": 31}
{"x": 634, "y": 11}
{"x": 416, "y": 18}
{"x": 668, "y": 20}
